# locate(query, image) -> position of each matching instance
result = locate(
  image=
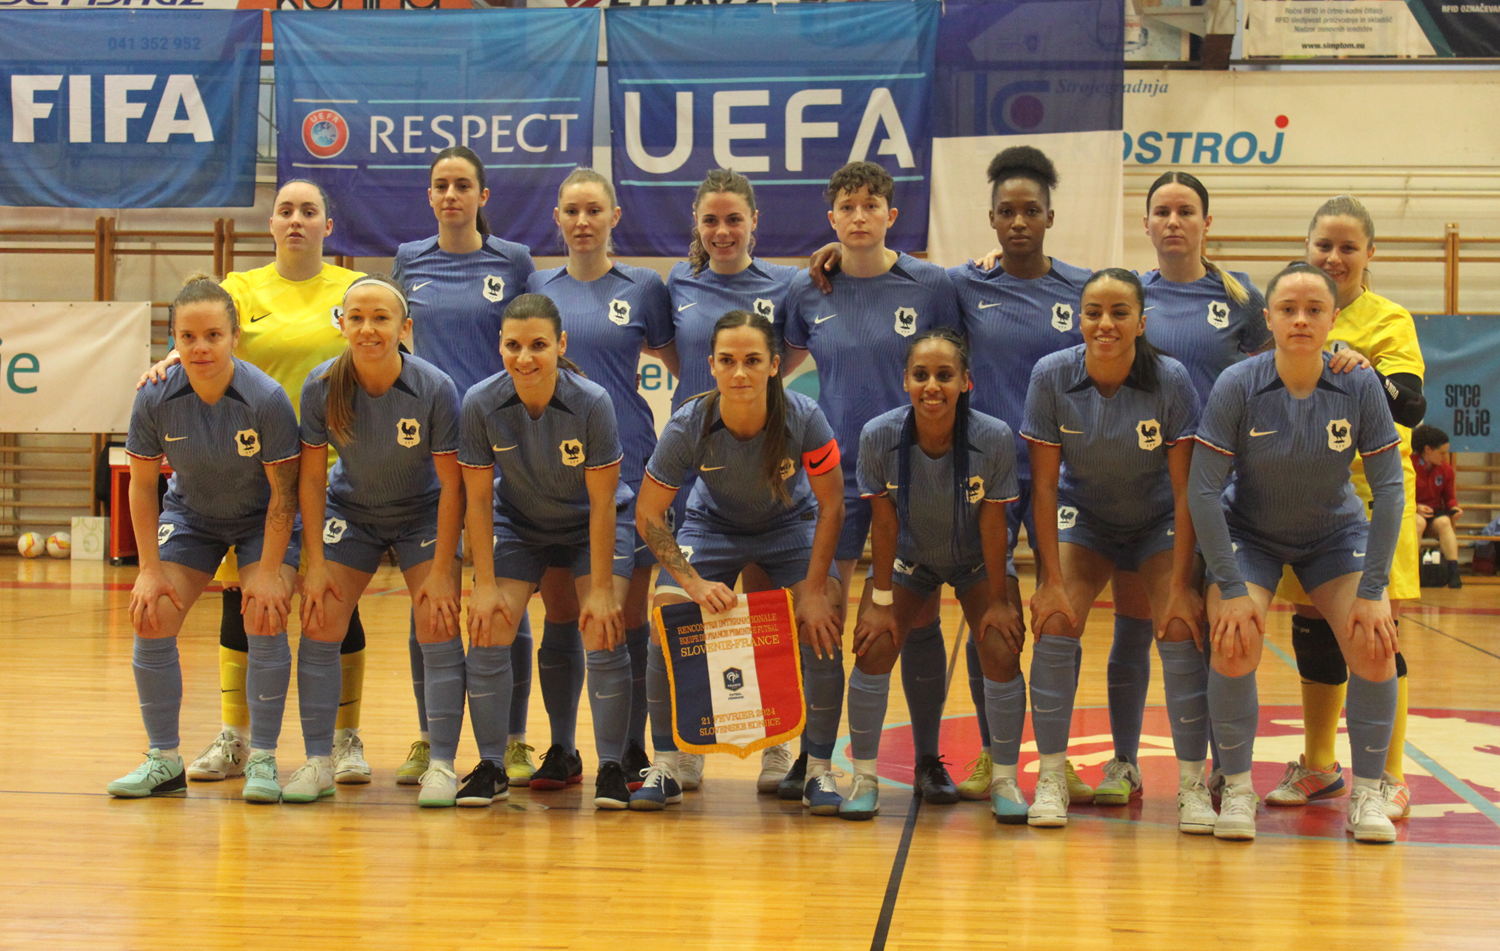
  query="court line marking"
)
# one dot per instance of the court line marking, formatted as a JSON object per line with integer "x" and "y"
{"x": 1450, "y": 636}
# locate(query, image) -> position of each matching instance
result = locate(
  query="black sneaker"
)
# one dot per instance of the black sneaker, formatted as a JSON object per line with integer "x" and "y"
{"x": 610, "y": 791}
{"x": 796, "y": 778}
{"x": 486, "y": 784}
{"x": 934, "y": 783}
{"x": 635, "y": 763}
{"x": 559, "y": 768}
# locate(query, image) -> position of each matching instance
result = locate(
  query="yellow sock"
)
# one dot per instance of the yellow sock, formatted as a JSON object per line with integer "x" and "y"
{"x": 353, "y": 666}
{"x": 232, "y": 666}
{"x": 1395, "y": 757}
{"x": 1321, "y": 706}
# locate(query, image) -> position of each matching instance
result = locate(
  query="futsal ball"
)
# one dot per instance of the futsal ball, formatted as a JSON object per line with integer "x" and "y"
{"x": 59, "y": 545}
{"x": 30, "y": 545}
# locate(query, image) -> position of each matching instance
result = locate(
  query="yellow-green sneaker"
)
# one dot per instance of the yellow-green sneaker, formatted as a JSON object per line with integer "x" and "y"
{"x": 518, "y": 764}
{"x": 1079, "y": 792}
{"x": 977, "y": 787}
{"x": 417, "y": 762}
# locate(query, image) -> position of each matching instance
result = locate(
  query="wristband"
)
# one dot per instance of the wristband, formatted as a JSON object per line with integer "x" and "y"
{"x": 882, "y": 598}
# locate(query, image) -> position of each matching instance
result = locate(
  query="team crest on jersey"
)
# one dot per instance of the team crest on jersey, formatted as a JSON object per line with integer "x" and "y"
{"x": 494, "y": 288}
{"x": 1148, "y": 434}
{"x": 1218, "y": 314}
{"x": 906, "y": 321}
{"x": 788, "y": 469}
{"x": 1067, "y": 517}
{"x": 976, "y": 488}
{"x": 765, "y": 308}
{"x": 164, "y": 531}
{"x": 619, "y": 311}
{"x": 687, "y": 550}
{"x": 333, "y": 530}
{"x": 408, "y": 432}
{"x": 247, "y": 441}
{"x": 336, "y": 317}
{"x": 903, "y": 567}
{"x": 572, "y": 452}
{"x": 1338, "y": 435}
{"x": 1062, "y": 318}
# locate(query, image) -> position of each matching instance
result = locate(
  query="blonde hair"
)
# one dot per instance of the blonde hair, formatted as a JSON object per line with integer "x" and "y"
{"x": 341, "y": 378}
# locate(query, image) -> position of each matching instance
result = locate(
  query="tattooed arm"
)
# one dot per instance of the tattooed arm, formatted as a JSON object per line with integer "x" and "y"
{"x": 651, "y": 521}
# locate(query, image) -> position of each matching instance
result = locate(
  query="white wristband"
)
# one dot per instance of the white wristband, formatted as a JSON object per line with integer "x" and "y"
{"x": 882, "y": 598}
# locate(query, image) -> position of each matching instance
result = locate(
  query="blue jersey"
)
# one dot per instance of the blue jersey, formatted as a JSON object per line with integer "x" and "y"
{"x": 217, "y": 452}
{"x": 1114, "y": 450}
{"x": 456, "y": 302}
{"x": 859, "y": 334}
{"x": 384, "y": 474}
{"x": 1201, "y": 325}
{"x": 608, "y": 321}
{"x": 699, "y": 300}
{"x": 927, "y": 535}
{"x": 542, "y": 461}
{"x": 730, "y": 495}
{"x": 1012, "y": 323}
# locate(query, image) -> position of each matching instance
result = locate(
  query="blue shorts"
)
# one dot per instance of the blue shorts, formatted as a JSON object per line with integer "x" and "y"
{"x": 200, "y": 544}
{"x": 1260, "y": 561}
{"x": 1018, "y": 513}
{"x": 856, "y": 529}
{"x": 642, "y": 552}
{"x": 923, "y": 580}
{"x": 1127, "y": 551}
{"x": 782, "y": 553}
{"x": 522, "y": 555}
{"x": 361, "y": 545}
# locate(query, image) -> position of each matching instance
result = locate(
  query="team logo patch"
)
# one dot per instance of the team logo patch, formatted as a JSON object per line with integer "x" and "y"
{"x": 765, "y": 308}
{"x": 494, "y": 288}
{"x": 903, "y": 567}
{"x": 788, "y": 469}
{"x": 1148, "y": 434}
{"x": 247, "y": 441}
{"x": 572, "y": 452}
{"x": 619, "y": 312}
{"x": 336, "y": 317}
{"x": 324, "y": 133}
{"x": 164, "y": 531}
{"x": 1218, "y": 314}
{"x": 906, "y": 321}
{"x": 408, "y": 432}
{"x": 976, "y": 488}
{"x": 687, "y": 551}
{"x": 1067, "y": 517}
{"x": 734, "y": 680}
{"x": 1338, "y": 435}
{"x": 1062, "y": 318}
{"x": 333, "y": 530}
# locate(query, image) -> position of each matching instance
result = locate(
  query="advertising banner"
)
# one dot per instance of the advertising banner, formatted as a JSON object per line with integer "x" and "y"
{"x": 71, "y": 368}
{"x": 1409, "y": 28}
{"x": 1463, "y": 379}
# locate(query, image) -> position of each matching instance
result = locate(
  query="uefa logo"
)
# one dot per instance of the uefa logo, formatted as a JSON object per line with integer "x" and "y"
{"x": 324, "y": 133}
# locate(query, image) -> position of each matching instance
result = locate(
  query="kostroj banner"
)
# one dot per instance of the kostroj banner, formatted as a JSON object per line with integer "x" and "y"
{"x": 785, "y": 95}
{"x": 1463, "y": 379}
{"x": 365, "y": 100}
{"x": 128, "y": 109}
{"x": 71, "y": 368}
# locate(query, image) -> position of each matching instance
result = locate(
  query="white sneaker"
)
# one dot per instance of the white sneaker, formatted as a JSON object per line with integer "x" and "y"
{"x": 1397, "y": 797}
{"x": 1367, "y": 815}
{"x": 224, "y": 758}
{"x": 349, "y": 764}
{"x": 312, "y": 781}
{"x": 775, "y": 763}
{"x": 1122, "y": 783}
{"x": 1236, "y": 812}
{"x": 690, "y": 770}
{"x": 1195, "y": 809}
{"x": 1049, "y": 804}
{"x": 439, "y": 787}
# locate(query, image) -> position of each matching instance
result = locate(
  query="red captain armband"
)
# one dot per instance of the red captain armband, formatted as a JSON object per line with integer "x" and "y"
{"x": 821, "y": 460}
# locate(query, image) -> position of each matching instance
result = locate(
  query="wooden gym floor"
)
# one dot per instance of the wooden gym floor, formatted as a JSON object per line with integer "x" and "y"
{"x": 726, "y": 869}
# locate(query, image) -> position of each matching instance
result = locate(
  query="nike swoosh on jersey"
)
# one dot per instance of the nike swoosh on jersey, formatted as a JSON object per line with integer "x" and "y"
{"x": 1359, "y": 554}
{"x": 504, "y": 448}
{"x": 686, "y": 306}
{"x": 261, "y": 317}
{"x": 819, "y": 320}
{"x": 1269, "y": 432}
{"x": 709, "y": 468}
{"x": 175, "y": 438}
{"x": 431, "y": 542}
{"x": 1071, "y": 432}
{"x": 988, "y": 306}
{"x": 418, "y": 287}
{"x": 892, "y": 485}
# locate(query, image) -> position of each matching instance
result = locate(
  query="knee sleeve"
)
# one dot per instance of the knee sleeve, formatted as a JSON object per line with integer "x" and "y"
{"x": 1319, "y": 659}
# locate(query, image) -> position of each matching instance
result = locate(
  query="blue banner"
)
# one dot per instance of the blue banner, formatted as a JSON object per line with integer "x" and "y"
{"x": 785, "y": 95}
{"x": 1462, "y": 385}
{"x": 128, "y": 109}
{"x": 365, "y": 100}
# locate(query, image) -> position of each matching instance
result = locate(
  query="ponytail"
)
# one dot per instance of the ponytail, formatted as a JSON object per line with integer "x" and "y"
{"x": 481, "y": 223}
{"x": 1232, "y": 286}
{"x": 773, "y": 450}
{"x": 341, "y": 385}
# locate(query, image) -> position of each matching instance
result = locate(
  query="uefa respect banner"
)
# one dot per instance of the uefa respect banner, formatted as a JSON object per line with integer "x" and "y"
{"x": 364, "y": 101}
{"x": 785, "y": 95}
{"x": 128, "y": 109}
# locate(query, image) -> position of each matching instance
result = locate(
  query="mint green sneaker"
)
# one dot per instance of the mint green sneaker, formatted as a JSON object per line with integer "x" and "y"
{"x": 312, "y": 781}
{"x": 158, "y": 776}
{"x": 1008, "y": 802}
{"x": 260, "y": 778}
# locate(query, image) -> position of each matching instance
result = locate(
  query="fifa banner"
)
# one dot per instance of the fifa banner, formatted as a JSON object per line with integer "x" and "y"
{"x": 71, "y": 368}
{"x": 1044, "y": 74}
{"x": 128, "y": 109}
{"x": 1462, "y": 384}
{"x": 736, "y": 677}
{"x": 783, "y": 94}
{"x": 1404, "y": 28}
{"x": 364, "y": 101}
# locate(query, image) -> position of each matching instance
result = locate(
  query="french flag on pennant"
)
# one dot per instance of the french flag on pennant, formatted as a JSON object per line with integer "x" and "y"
{"x": 736, "y": 677}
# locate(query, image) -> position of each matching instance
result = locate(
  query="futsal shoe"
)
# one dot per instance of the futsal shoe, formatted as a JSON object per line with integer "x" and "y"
{"x": 864, "y": 799}
{"x": 260, "y": 778}
{"x": 659, "y": 789}
{"x": 794, "y": 782}
{"x": 410, "y": 773}
{"x": 934, "y": 783}
{"x": 690, "y": 771}
{"x": 559, "y": 768}
{"x": 1300, "y": 784}
{"x": 1122, "y": 783}
{"x": 485, "y": 784}
{"x": 1367, "y": 818}
{"x": 349, "y": 766}
{"x": 1397, "y": 797}
{"x": 1078, "y": 790}
{"x": 224, "y": 758}
{"x": 610, "y": 791}
{"x": 439, "y": 787}
{"x": 1049, "y": 805}
{"x": 1195, "y": 809}
{"x": 1236, "y": 813}
{"x": 157, "y": 776}
{"x": 981, "y": 774}
{"x": 635, "y": 764}
{"x": 821, "y": 794}
{"x": 1008, "y": 802}
{"x": 518, "y": 765}
{"x": 775, "y": 763}
{"x": 312, "y": 781}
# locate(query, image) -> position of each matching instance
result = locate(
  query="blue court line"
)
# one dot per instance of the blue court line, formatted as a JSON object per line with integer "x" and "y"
{"x": 754, "y": 181}
{"x": 418, "y": 102}
{"x": 769, "y": 79}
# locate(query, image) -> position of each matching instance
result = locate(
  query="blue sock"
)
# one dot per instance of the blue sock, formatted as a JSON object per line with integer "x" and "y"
{"x": 659, "y": 700}
{"x": 823, "y": 687}
{"x": 637, "y": 639}
{"x": 559, "y": 669}
{"x": 976, "y": 687}
{"x": 319, "y": 681}
{"x": 158, "y": 685}
{"x": 1184, "y": 675}
{"x": 1007, "y": 711}
{"x": 869, "y": 695}
{"x": 1128, "y": 678}
{"x": 446, "y": 685}
{"x": 520, "y": 672}
{"x": 1370, "y": 711}
{"x": 487, "y": 672}
{"x": 1053, "y": 684}
{"x": 609, "y": 700}
{"x": 267, "y": 675}
{"x": 418, "y": 674}
{"x": 1234, "y": 705}
{"x": 924, "y": 674}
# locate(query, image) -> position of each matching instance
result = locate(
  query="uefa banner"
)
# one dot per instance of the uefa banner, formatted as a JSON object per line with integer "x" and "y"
{"x": 71, "y": 367}
{"x": 785, "y": 95}
{"x": 128, "y": 109}
{"x": 1462, "y": 385}
{"x": 364, "y": 101}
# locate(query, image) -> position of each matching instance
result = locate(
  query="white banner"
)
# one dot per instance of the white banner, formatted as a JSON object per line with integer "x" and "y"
{"x": 71, "y": 367}
{"x": 1301, "y": 28}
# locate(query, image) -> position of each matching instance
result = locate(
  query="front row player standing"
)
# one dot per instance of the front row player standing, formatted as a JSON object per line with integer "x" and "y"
{"x": 1290, "y": 428}
{"x": 747, "y": 444}
{"x": 559, "y": 503}
{"x": 230, "y": 435}
{"x": 953, "y": 471}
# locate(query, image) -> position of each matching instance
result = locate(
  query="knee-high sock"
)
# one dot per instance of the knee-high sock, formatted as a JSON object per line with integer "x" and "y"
{"x": 488, "y": 676}
{"x": 1371, "y": 714}
{"x": 158, "y": 686}
{"x": 318, "y": 689}
{"x": 1395, "y": 760}
{"x": 1053, "y": 684}
{"x": 1006, "y": 703}
{"x": 234, "y": 660}
{"x": 1234, "y": 705}
{"x": 659, "y": 700}
{"x": 609, "y": 701}
{"x": 1184, "y": 676}
{"x": 352, "y": 663}
{"x": 445, "y": 687}
{"x": 976, "y": 688}
{"x": 924, "y": 671}
{"x": 266, "y": 680}
{"x": 1321, "y": 706}
{"x": 1129, "y": 677}
{"x": 823, "y": 686}
{"x": 637, "y": 639}
{"x": 869, "y": 695}
{"x": 418, "y": 675}
{"x": 560, "y": 669}
{"x": 520, "y": 673}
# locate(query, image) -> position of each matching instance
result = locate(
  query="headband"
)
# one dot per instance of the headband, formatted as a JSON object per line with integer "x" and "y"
{"x": 405, "y": 307}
